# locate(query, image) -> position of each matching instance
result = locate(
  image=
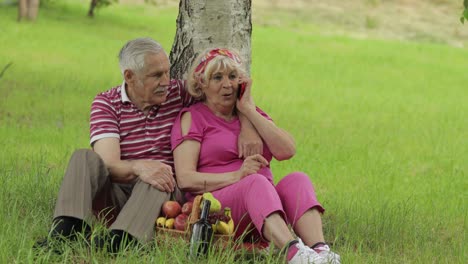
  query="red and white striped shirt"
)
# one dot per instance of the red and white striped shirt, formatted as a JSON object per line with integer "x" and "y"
{"x": 141, "y": 136}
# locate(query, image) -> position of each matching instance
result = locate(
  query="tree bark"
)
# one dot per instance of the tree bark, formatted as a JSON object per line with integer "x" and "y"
{"x": 22, "y": 9}
{"x": 28, "y": 9}
{"x": 208, "y": 24}
{"x": 33, "y": 9}
{"x": 92, "y": 6}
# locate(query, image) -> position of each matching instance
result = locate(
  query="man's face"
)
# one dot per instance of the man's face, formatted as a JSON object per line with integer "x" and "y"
{"x": 150, "y": 85}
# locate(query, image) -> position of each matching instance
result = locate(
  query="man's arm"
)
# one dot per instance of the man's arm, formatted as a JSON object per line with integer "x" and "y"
{"x": 155, "y": 173}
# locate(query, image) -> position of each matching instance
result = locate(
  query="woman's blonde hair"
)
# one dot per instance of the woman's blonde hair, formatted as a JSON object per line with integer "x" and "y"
{"x": 196, "y": 79}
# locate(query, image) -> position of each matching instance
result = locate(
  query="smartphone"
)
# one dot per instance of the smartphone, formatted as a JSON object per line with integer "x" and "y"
{"x": 241, "y": 90}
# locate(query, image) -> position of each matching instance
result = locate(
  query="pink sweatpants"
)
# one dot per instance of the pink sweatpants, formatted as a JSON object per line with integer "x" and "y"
{"x": 254, "y": 198}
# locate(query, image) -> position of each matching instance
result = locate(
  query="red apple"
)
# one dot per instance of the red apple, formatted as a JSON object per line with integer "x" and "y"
{"x": 187, "y": 208}
{"x": 181, "y": 222}
{"x": 171, "y": 209}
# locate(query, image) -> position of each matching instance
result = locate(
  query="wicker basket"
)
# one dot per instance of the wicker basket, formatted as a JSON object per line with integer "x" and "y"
{"x": 193, "y": 218}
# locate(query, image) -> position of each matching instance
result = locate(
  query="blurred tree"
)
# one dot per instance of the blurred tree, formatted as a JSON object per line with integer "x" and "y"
{"x": 27, "y": 9}
{"x": 207, "y": 23}
{"x": 465, "y": 12}
{"x": 97, "y": 4}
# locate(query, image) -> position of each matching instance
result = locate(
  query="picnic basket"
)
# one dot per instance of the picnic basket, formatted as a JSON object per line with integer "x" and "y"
{"x": 194, "y": 216}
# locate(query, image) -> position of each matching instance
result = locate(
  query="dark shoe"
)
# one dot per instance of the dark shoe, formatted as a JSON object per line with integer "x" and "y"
{"x": 49, "y": 244}
{"x": 64, "y": 229}
{"x": 114, "y": 242}
{"x": 69, "y": 227}
{"x": 121, "y": 241}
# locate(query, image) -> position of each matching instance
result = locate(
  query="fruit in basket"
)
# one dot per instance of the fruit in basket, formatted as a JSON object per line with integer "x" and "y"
{"x": 230, "y": 222}
{"x": 187, "y": 208}
{"x": 171, "y": 209}
{"x": 215, "y": 203}
{"x": 181, "y": 222}
{"x": 161, "y": 221}
{"x": 223, "y": 228}
{"x": 169, "y": 223}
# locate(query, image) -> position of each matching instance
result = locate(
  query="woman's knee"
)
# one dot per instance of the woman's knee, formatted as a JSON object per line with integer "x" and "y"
{"x": 255, "y": 181}
{"x": 294, "y": 181}
{"x": 295, "y": 178}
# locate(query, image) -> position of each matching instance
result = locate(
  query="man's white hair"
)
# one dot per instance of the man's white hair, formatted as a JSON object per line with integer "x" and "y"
{"x": 133, "y": 53}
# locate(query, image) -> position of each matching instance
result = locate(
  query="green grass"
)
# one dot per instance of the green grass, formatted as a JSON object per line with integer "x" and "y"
{"x": 381, "y": 127}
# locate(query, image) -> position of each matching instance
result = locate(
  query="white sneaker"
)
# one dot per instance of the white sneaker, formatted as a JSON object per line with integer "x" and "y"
{"x": 306, "y": 255}
{"x": 330, "y": 256}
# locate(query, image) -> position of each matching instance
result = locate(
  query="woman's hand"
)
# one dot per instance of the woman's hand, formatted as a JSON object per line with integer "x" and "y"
{"x": 249, "y": 142}
{"x": 252, "y": 164}
{"x": 246, "y": 102}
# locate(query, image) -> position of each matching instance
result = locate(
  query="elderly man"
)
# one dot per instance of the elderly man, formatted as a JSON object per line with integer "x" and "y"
{"x": 129, "y": 169}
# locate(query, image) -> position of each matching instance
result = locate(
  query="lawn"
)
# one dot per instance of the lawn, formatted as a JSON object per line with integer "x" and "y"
{"x": 381, "y": 127}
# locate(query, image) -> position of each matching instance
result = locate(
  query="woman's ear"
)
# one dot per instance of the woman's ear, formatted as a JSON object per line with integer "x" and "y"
{"x": 200, "y": 80}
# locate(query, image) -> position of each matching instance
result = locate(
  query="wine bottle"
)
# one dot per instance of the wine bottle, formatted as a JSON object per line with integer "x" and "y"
{"x": 202, "y": 233}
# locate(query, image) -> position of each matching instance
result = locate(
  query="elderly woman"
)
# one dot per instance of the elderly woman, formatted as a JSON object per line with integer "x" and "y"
{"x": 207, "y": 160}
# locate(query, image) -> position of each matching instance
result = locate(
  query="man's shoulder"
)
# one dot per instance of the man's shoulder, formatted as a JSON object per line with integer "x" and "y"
{"x": 176, "y": 85}
{"x": 111, "y": 98}
{"x": 112, "y": 93}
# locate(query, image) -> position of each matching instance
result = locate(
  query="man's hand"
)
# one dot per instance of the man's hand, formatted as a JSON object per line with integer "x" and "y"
{"x": 252, "y": 164}
{"x": 155, "y": 173}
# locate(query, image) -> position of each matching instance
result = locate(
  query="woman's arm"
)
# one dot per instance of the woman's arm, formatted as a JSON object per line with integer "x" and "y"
{"x": 189, "y": 179}
{"x": 280, "y": 142}
{"x": 249, "y": 142}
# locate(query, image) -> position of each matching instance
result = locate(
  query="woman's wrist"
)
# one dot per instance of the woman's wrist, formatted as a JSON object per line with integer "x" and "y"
{"x": 248, "y": 112}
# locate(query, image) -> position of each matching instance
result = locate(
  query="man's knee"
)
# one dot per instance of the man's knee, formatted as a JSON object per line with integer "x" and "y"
{"x": 84, "y": 154}
{"x": 144, "y": 189}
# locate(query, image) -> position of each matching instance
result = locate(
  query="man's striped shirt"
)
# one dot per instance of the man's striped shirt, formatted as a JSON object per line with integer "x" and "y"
{"x": 141, "y": 136}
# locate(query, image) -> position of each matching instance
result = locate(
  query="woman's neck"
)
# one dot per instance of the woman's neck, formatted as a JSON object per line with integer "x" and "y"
{"x": 226, "y": 113}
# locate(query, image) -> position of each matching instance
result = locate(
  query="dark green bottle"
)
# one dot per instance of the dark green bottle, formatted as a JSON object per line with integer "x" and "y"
{"x": 202, "y": 233}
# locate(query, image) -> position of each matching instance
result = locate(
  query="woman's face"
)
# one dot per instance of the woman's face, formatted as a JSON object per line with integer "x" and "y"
{"x": 221, "y": 90}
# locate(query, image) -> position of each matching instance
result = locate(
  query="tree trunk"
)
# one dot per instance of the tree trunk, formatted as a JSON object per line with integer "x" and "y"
{"x": 28, "y": 9}
{"x": 22, "y": 9}
{"x": 208, "y": 24}
{"x": 92, "y": 6}
{"x": 33, "y": 9}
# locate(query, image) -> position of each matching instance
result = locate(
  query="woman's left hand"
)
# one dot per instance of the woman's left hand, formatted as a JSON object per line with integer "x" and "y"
{"x": 246, "y": 102}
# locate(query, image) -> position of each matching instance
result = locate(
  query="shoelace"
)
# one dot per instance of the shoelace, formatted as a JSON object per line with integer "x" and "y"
{"x": 322, "y": 248}
{"x": 305, "y": 250}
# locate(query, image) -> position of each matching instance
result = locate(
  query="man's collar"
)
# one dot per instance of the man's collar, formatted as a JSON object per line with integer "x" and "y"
{"x": 123, "y": 93}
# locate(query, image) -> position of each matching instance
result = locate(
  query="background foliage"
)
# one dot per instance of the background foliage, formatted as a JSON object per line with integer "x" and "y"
{"x": 380, "y": 124}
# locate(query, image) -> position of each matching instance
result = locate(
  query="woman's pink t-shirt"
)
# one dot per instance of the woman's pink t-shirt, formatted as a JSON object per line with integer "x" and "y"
{"x": 218, "y": 140}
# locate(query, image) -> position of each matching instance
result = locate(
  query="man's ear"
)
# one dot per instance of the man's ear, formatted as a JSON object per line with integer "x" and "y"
{"x": 129, "y": 76}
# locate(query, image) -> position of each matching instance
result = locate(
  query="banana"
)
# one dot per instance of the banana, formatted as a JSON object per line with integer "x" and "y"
{"x": 161, "y": 221}
{"x": 169, "y": 223}
{"x": 231, "y": 226}
{"x": 227, "y": 212}
{"x": 223, "y": 228}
